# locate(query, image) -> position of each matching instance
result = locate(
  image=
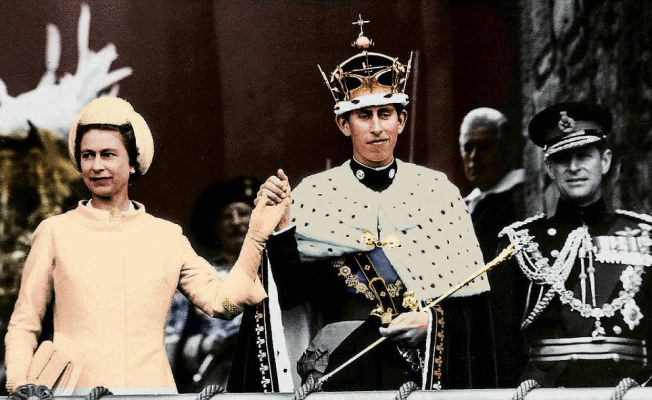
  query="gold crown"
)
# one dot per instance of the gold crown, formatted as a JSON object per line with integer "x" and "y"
{"x": 367, "y": 78}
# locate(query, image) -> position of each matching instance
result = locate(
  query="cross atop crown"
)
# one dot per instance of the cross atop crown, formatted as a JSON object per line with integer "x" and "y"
{"x": 360, "y": 22}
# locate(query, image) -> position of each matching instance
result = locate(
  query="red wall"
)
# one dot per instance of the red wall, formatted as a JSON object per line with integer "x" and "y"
{"x": 232, "y": 88}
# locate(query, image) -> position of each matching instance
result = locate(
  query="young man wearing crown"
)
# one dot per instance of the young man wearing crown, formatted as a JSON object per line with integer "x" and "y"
{"x": 370, "y": 242}
{"x": 585, "y": 269}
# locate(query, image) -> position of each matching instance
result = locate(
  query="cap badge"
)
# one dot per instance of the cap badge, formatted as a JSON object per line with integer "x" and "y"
{"x": 566, "y": 124}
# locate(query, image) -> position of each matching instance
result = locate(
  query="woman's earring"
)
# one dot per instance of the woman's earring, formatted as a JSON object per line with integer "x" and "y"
{"x": 133, "y": 170}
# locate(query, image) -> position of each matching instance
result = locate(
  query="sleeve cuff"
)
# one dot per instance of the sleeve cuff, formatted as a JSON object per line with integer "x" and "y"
{"x": 240, "y": 290}
{"x": 282, "y": 231}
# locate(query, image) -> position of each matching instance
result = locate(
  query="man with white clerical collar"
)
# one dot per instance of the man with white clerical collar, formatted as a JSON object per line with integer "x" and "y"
{"x": 585, "y": 268}
{"x": 370, "y": 242}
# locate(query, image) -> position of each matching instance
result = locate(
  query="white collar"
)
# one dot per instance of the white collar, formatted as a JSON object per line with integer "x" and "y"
{"x": 511, "y": 179}
{"x": 132, "y": 207}
{"x": 375, "y": 169}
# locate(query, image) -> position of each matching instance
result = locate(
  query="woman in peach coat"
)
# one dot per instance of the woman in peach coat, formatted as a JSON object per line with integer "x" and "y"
{"x": 111, "y": 269}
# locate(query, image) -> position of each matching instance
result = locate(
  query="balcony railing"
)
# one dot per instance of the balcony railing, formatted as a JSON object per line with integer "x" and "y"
{"x": 636, "y": 393}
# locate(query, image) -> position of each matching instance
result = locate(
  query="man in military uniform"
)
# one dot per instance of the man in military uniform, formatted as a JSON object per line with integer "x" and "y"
{"x": 384, "y": 236}
{"x": 585, "y": 269}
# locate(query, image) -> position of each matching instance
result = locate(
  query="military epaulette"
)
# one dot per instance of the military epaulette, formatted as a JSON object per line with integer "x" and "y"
{"x": 643, "y": 217}
{"x": 519, "y": 224}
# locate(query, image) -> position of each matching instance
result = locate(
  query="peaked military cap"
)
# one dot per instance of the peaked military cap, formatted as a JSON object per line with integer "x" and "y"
{"x": 569, "y": 125}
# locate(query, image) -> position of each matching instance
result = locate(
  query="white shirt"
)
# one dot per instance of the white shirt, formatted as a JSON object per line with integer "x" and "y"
{"x": 511, "y": 179}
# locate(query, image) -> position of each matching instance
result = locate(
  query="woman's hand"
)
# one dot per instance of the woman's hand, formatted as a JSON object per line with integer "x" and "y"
{"x": 272, "y": 207}
{"x": 276, "y": 189}
{"x": 410, "y": 328}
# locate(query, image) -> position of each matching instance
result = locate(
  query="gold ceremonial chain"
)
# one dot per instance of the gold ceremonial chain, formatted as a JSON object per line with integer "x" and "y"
{"x": 504, "y": 255}
{"x": 579, "y": 246}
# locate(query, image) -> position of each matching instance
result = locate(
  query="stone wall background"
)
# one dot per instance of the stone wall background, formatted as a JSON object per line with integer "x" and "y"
{"x": 598, "y": 51}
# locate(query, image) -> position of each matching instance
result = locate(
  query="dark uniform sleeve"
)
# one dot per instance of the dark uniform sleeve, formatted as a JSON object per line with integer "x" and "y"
{"x": 644, "y": 299}
{"x": 507, "y": 299}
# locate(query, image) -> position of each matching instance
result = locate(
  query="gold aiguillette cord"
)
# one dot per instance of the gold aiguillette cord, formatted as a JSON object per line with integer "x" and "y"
{"x": 507, "y": 253}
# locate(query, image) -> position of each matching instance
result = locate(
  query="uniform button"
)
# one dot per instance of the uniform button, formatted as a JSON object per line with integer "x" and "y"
{"x": 552, "y": 231}
{"x": 554, "y": 253}
{"x": 359, "y": 174}
{"x": 618, "y": 330}
{"x": 615, "y": 357}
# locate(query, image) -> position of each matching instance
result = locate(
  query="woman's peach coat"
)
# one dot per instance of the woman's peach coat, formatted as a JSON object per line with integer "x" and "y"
{"x": 113, "y": 278}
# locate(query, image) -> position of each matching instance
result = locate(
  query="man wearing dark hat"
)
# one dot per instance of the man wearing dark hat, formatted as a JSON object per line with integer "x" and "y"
{"x": 200, "y": 348}
{"x": 587, "y": 312}
{"x": 383, "y": 238}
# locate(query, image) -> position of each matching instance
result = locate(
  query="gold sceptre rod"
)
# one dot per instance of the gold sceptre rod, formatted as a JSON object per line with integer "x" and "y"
{"x": 504, "y": 255}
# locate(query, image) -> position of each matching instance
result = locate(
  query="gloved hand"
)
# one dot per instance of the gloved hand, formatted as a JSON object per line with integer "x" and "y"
{"x": 272, "y": 208}
{"x": 265, "y": 217}
{"x": 275, "y": 189}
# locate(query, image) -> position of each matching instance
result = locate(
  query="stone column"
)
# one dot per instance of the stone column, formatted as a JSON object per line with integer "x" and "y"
{"x": 596, "y": 51}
